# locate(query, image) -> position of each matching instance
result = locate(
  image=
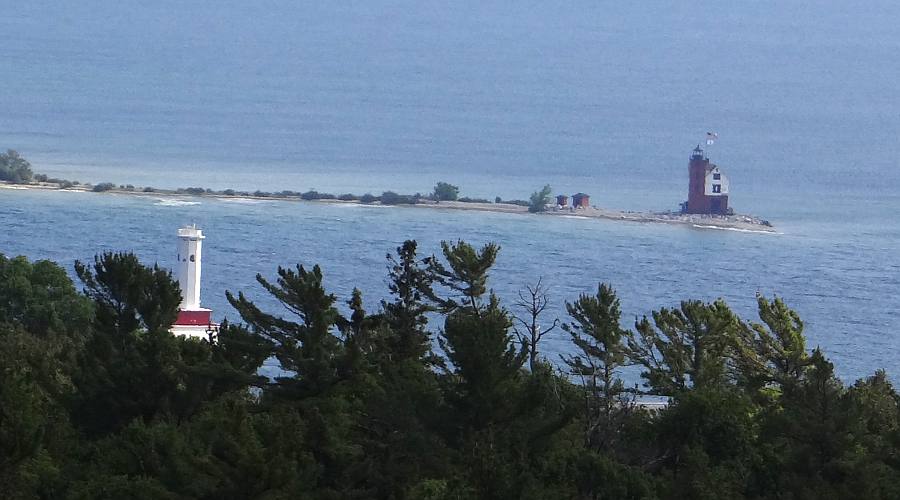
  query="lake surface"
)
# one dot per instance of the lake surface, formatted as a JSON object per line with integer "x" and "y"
{"x": 499, "y": 98}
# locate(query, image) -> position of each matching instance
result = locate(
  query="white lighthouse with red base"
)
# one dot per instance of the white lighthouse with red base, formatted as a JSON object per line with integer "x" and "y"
{"x": 193, "y": 320}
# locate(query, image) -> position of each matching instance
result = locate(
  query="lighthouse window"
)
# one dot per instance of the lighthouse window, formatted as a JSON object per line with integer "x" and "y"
{"x": 717, "y": 176}
{"x": 192, "y": 258}
{"x": 717, "y": 188}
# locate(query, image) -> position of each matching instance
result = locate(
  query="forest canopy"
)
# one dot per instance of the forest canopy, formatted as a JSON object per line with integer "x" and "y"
{"x": 440, "y": 391}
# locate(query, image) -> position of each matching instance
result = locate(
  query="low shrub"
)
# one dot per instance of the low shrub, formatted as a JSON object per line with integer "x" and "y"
{"x": 392, "y": 198}
{"x": 466, "y": 199}
{"x": 521, "y": 203}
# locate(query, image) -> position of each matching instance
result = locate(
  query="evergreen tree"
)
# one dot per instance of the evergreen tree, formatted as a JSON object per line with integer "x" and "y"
{"x": 705, "y": 443}
{"x": 596, "y": 332}
{"x": 309, "y": 349}
{"x": 99, "y": 400}
{"x": 129, "y": 296}
{"x": 810, "y": 437}
{"x": 317, "y": 385}
{"x": 686, "y": 347}
{"x": 540, "y": 199}
{"x": 485, "y": 361}
{"x": 772, "y": 354}
{"x": 132, "y": 366}
{"x": 410, "y": 284}
{"x": 465, "y": 274}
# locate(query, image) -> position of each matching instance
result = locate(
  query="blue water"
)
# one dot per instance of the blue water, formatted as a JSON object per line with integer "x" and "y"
{"x": 497, "y": 97}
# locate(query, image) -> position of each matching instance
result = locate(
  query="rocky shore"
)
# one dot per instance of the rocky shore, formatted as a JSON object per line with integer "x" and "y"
{"x": 735, "y": 222}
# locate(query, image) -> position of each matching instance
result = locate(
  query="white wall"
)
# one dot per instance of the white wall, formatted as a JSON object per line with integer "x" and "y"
{"x": 708, "y": 184}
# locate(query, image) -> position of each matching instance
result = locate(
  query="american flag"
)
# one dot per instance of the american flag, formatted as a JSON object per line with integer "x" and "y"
{"x": 711, "y": 138}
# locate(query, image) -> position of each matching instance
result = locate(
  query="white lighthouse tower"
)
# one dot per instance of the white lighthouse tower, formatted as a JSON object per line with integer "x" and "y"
{"x": 193, "y": 320}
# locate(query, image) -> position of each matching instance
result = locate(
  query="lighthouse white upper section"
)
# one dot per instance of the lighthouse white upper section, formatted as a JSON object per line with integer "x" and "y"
{"x": 716, "y": 182}
{"x": 190, "y": 245}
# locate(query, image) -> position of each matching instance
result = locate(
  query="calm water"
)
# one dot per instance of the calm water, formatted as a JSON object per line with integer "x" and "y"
{"x": 497, "y": 97}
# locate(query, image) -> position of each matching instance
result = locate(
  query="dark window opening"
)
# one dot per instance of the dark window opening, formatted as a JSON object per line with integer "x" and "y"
{"x": 717, "y": 177}
{"x": 717, "y": 188}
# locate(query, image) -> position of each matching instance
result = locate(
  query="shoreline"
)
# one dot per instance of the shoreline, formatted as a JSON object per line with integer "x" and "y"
{"x": 737, "y": 222}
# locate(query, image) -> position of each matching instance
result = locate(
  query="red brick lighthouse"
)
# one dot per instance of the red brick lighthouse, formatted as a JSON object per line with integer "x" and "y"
{"x": 708, "y": 188}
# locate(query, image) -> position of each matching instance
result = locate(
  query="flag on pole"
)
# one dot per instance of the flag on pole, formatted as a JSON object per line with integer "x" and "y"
{"x": 711, "y": 138}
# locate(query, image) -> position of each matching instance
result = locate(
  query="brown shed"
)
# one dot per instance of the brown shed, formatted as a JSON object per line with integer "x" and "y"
{"x": 581, "y": 200}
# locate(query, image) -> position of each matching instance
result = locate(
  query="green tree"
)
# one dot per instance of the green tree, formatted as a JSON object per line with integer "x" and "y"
{"x": 875, "y": 412}
{"x": 477, "y": 338}
{"x": 485, "y": 360}
{"x": 444, "y": 191}
{"x": 706, "y": 443}
{"x": 321, "y": 383}
{"x": 14, "y": 168}
{"x": 772, "y": 354}
{"x": 539, "y": 199}
{"x": 465, "y": 274}
{"x": 29, "y": 428}
{"x": 410, "y": 284}
{"x": 596, "y": 332}
{"x": 41, "y": 298}
{"x": 686, "y": 347}
{"x": 132, "y": 367}
{"x": 310, "y": 348}
{"x": 129, "y": 296}
{"x": 810, "y": 436}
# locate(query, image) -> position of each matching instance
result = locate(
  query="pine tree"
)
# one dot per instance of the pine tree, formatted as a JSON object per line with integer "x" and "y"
{"x": 772, "y": 354}
{"x": 129, "y": 296}
{"x": 596, "y": 331}
{"x": 410, "y": 284}
{"x": 309, "y": 348}
{"x": 485, "y": 361}
{"x": 130, "y": 367}
{"x": 686, "y": 347}
{"x": 810, "y": 435}
{"x": 465, "y": 274}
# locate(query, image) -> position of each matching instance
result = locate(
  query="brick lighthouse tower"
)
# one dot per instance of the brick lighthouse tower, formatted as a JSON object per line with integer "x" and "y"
{"x": 193, "y": 320}
{"x": 708, "y": 187}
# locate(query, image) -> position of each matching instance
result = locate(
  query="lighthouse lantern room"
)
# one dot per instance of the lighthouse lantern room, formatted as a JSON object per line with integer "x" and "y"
{"x": 193, "y": 320}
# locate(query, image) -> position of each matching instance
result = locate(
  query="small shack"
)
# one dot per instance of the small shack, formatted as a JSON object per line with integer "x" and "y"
{"x": 581, "y": 200}
{"x": 562, "y": 200}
